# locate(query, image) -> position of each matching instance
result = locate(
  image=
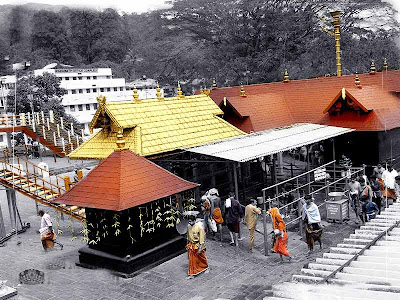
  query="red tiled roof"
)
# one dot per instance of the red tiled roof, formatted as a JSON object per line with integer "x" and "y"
{"x": 277, "y": 104}
{"x": 124, "y": 180}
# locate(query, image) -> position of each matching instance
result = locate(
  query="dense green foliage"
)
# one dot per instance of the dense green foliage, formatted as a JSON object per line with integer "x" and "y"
{"x": 231, "y": 40}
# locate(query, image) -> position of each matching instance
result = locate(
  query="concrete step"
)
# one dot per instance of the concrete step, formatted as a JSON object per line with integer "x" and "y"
{"x": 383, "y": 274}
{"x": 334, "y": 292}
{"x": 368, "y": 279}
{"x": 276, "y": 298}
{"x": 374, "y": 228}
{"x": 367, "y": 286}
{"x": 361, "y": 236}
{"x": 385, "y": 248}
{"x": 344, "y": 250}
{"x": 388, "y": 243}
{"x": 333, "y": 262}
{"x": 316, "y": 273}
{"x": 322, "y": 267}
{"x": 367, "y": 232}
{"x": 391, "y": 238}
{"x": 355, "y": 246}
{"x": 307, "y": 279}
{"x": 356, "y": 241}
{"x": 375, "y": 259}
{"x": 375, "y": 265}
{"x": 387, "y": 216}
{"x": 337, "y": 256}
{"x": 382, "y": 253}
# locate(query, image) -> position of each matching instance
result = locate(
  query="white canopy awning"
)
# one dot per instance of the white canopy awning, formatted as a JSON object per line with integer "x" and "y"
{"x": 262, "y": 143}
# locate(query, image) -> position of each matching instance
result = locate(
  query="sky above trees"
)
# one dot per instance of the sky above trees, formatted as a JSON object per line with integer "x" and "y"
{"x": 128, "y": 6}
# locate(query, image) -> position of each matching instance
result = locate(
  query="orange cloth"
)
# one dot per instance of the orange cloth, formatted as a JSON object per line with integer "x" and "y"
{"x": 197, "y": 262}
{"x": 49, "y": 239}
{"x": 277, "y": 221}
{"x": 281, "y": 244}
{"x": 207, "y": 207}
{"x": 217, "y": 216}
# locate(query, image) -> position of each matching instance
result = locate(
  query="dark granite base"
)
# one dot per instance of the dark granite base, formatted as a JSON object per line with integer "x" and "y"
{"x": 129, "y": 266}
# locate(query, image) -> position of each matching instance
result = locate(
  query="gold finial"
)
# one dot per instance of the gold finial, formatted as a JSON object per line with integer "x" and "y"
{"x": 357, "y": 81}
{"x": 120, "y": 141}
{"x": 224, "y": 101}
{"x": 372, "y": 70}
{"x": 286, "y": 76}
{"x": 242, "y": 91}
{"x": 385, "y": 64}
{"x": 336, "y": 26}
{"x": 180, "y": 95}
{"x": 158, "y": 92}
{"x": 135, "y": 94}
{"x": 206, "y": 92}
{"x": 214, "y": 84}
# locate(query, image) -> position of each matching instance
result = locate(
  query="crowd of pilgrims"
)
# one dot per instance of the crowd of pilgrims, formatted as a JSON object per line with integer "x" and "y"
{"x": 368, "y": 197}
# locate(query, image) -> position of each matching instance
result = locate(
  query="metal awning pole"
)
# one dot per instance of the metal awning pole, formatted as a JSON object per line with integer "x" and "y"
{"x": 334, "y": 164}
{"x": 235, "y": 177}
{"x": 266, "y": 252}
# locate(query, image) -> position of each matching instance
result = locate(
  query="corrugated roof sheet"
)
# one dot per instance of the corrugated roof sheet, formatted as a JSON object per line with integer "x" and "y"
{"x": 276, "y": 104}
{"x": 260, "y": 144}
{"x": 124, "y": 180}
{"x": 155, "y": 126}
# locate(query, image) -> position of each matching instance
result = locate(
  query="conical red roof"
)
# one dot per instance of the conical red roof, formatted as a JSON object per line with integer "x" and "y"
{"x": 124, "y": 180}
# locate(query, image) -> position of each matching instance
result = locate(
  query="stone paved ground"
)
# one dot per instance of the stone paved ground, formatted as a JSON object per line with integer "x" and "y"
{"x": 234, "y": 272}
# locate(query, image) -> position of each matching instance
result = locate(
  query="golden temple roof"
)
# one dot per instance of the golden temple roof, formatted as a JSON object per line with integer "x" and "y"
{"x": 155, "y": 126}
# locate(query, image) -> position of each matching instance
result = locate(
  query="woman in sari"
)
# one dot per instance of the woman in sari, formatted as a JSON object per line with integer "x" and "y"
{"x": 281, "y": 237}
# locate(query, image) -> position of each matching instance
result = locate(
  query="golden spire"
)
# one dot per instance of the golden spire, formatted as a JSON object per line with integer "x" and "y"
{"x": 120, "y": 141}
{"x": 385, "y": 64}
{"x": 158, "y": 92}
{"x": 135, "y": 94}
{"x": 357, "y": 81}
{"x": 180, "y": 95}
{"x": 286, "y": 76}
{"x": 372, "y": 70}
{"x": 242, "y": 91}
{"x": 214, "y": 84}
{"x": 336, "y": 26}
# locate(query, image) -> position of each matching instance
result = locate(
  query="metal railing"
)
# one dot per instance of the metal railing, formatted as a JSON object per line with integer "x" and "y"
{"x": 325, "y": 187}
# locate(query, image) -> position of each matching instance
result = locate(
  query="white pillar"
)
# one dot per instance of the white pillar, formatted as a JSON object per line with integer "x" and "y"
{"x": 51, "y": 116}
{"x": 58, "y": 130}
{"x": 22, "y": 119}
{"x": 82, "y": 132}
{"x": 55, "y": 139}
{"x": 48, "y": 123}
{"x": 29, "y": 118}
{"x": 77, "y": 141}
{"x": 69, "y": 137}
{"x": 42, "y": 113}
{"x": 63, "y": 143}
{"x": 44, "y": 132}
{"x": 72, "y": 128}
{"x": 62, "y": 122}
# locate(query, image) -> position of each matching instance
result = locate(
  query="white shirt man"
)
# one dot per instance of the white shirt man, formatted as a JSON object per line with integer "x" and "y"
{"x": 388, "y": 178}
{"x": 45, "y": 223}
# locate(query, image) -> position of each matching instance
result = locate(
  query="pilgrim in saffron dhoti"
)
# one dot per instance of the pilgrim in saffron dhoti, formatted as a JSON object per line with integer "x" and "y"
{"x": 281, "y": 237}
{"x": 196, "y": 246}
{"x": 312, "y": 219}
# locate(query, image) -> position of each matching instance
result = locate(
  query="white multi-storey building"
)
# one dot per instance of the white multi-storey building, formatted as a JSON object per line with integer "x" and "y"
{"x": 84, "y": 86}
{"x": 7, "y": 86}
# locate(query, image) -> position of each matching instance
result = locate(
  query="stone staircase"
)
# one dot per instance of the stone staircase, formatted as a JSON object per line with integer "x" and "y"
{"x": 38, "y": 184}
{"x": 364, "y": 266}
{"x": 47, "y": 127}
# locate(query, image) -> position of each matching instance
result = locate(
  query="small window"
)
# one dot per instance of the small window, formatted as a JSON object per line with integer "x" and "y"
{"x": 101, "y": 89}
{"x": 72, "y": 108}
{"x": 73, "y": 91}
{"x": 66, "y": 78}
{"x": 80, "y": 78}
{"x": 80, "y": 91}
{"x": 115, "y": 89}
{"x": 87, "y": 106}
{"x": 108, "y": 89}
{"x": 73, "y": 78}
{"x": 88, "y": 77}
{"x": 94, "y": 77}
{"x": 80, "y": 107}
{"x": 1, "y": 138}
{"x": 121, "y": 89}
{"x": 95, "y": 106}
{"x": 94, "y": 90}
{"x": 88, "y": 91}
